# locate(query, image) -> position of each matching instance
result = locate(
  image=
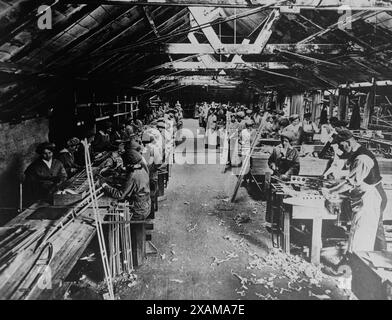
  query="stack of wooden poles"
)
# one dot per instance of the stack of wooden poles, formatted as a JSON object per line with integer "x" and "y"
{"x": 120, "y": 242}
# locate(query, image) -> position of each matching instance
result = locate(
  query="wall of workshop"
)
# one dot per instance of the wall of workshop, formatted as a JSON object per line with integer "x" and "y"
{"x": 17, "y": 150}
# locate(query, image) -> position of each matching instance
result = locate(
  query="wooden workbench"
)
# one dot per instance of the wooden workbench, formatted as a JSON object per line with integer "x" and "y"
{"x": 68, "y": 244}
{"x": 315, "y": 212}
{"x": 290, "y": 208}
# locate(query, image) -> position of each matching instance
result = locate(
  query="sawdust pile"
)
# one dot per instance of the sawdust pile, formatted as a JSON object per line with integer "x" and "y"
{"x": 293, "y": 267}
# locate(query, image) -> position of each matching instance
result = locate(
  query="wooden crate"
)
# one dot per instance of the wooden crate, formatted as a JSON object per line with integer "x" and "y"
{"x": 312, "y": 166}
{"x": 259, "y": 163}
{"x": 369, "y": 283}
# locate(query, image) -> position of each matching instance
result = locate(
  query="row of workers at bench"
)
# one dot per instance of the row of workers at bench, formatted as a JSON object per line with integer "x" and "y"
{"x": 138, "y": 159}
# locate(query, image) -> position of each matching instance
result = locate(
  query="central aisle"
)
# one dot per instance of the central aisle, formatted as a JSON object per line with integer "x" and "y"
{"x": 195, "y": 225}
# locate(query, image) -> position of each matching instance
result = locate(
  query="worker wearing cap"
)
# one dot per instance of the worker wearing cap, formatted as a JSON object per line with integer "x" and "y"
{"x": 67, "y": 158}
{"x": 309, "y": 128}
{"x": 367, "y": 196}
{"x": 284, "y": 160}
{"x": 246, "y": 137}
{"x": 268, "y": 126}
{"x": 44, "y": 175}
{"x": 136, "y": 189}
{"x": 114, "y": 163}
{"x": 102, "y": 138}
{"x": 233, "y": 132}
{"x": 153, "y": 157}
{"x": 293, "y": 129}
{"x": 211, "y": 134}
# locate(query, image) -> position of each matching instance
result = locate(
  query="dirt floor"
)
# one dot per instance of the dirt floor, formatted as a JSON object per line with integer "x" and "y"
{"x": 204, "y": 253}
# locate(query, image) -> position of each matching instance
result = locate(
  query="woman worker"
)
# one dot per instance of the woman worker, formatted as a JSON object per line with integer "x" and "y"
{"x": 284, "y": 160}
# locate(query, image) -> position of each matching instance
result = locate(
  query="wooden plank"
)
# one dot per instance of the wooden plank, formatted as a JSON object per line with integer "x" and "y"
{"x": 286, "y": 231}
{"x": 316, "y": 240}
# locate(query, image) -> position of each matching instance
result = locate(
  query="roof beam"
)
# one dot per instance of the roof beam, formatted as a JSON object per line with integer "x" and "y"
{"x": 338, "y": 25}
{"x": 184, "y": 65}
{"x": 373, "y": 5}
{"x": 381, "y": 83}
{"x": 245, "y": 49}
{"x": 266, "y": 32}
{"x": 201, "y": 17}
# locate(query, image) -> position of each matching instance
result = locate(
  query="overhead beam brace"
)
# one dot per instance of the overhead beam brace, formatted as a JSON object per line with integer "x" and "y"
{"x": 340, "y": 24}
{"x": 202, "y": 17}
{"x": 244, "y": 49}
{"x": 373, "y": 5}
{"x": 266, "y": 32}
{"x": 184, "y": 65}
{"x": 152, "y": 24}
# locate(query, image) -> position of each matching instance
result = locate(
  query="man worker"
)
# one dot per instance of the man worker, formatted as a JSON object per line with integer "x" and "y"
{"x": 136, "y": 189}
{"x": 363, "y": 185}
{"x": 44, "y": 175}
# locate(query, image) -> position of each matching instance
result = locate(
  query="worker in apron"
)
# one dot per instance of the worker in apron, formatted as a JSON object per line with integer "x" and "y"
{"x": 233, "y": 128}
{"x": 309, "y": 128}
{"x": 367, "y": 196}
{"x": 284, "y": 160}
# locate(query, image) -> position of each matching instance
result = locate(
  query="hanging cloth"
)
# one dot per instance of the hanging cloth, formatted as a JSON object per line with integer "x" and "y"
{"x": 355, "y": 121}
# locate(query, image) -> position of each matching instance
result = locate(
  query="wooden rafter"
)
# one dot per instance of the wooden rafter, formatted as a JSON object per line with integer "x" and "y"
{"x": 374, "y": 5}
{"x": 245, "y": 49}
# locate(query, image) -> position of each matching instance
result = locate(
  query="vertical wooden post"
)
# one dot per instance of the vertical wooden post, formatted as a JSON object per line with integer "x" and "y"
{"x": 316, "y": 240}
{"x": 369, "y": 105}
{"x": 342, "y": 106}
{"x": 286, "y": 231}
{"x": 332, "y": 99}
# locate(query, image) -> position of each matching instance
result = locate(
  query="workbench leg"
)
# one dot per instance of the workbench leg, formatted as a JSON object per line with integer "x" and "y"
{"x": 286, "y": 232}
{"x": 316, "y": 240}
{"x": 138, "y": 236}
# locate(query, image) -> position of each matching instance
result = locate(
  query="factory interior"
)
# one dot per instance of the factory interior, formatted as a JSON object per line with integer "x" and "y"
{"x": 196, "y": 150}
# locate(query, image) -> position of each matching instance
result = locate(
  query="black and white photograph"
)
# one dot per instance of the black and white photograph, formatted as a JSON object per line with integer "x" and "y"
{"x": 208, "y": 152}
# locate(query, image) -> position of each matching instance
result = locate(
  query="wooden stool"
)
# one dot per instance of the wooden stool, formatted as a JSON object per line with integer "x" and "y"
{"x": 138, "y": 237}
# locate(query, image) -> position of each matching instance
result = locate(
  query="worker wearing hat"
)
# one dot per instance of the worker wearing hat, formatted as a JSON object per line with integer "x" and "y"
{"x": 246, "y": 137}
{"x": 294, "y": 129}
{"x": 135, "y": 190}
{"x": 309, "y": 128}
{"x": 114, "y": 164}
{"x": 102, "y": 138}
{"x": 364, "y": 187}
{"x": 44, "y": 175}
{"x": 152, "y": 153}
{"x": 284, "y": 160}
{"x": 67, "y": 158}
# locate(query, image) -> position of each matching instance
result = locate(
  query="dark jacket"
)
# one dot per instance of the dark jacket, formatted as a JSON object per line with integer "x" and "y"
{"x": 288, "y": 164}
{"x": 136, "y": 190}
{"x": 42, "y": 182}
{"x": 68, "y": 161}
